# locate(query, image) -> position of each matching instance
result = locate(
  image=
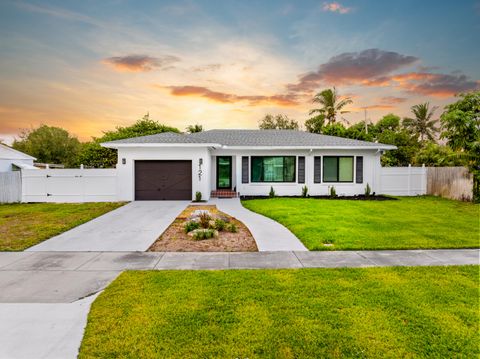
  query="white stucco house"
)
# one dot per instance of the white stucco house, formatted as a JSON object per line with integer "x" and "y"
{"x": 171, "y": 166}
{"x": 11, "y": 160}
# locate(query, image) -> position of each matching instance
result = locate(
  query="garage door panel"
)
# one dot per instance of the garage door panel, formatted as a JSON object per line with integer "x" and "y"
{"x": 163, "y": 180}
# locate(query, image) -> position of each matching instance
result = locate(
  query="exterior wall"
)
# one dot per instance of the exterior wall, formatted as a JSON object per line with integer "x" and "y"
{"x": 6, "y": 164}
{"x": 126, "y": 172}
{"x": 371, "y": 173}
{"x": 10, "y": 187}
{"x": 69, "y": 185}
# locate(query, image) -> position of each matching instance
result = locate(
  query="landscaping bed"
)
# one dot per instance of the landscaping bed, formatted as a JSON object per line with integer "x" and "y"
{"x": 203, "y": 228}
{"x": 358, "y": 197}
{"x": 396, "y": 312}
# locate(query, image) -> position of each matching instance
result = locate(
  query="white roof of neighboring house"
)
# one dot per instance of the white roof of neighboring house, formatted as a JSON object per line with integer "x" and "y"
{"x": 24, "y": 166}
{"x": 8, "y": 153}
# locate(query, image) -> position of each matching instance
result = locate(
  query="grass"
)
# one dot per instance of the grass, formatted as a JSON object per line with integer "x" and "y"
{"x": 23, "y": 225}
{"x": 408, "y": 223}
{"x": 305, "y": 313}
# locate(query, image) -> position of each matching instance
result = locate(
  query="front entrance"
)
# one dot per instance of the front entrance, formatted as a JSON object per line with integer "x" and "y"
{"x": 224, "y": 172}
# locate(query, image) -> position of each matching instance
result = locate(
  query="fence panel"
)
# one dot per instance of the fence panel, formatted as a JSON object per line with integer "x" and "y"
{"x": 403, "y": 181}
{"x": 450, "y": 182}
{"x": 10, "y": 187}
{"x": 69, "y": 185}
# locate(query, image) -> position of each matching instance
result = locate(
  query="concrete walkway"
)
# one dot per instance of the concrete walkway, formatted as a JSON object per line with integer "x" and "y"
{"x": 269, "y": 234}
{"x": 133, "y": 227}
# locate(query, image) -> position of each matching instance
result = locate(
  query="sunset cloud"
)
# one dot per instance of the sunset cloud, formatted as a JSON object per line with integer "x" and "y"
{"x": 353, "y": 67}
{"x": 336, "y": 7}
{"x": 222, "y": 97}
{"x": 392, "y": 100}
{"x": 140, "y": 63}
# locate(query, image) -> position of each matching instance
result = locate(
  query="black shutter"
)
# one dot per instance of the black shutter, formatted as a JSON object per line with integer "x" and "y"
{"x": 359, "y": 176}
{"x": 244, "y": 169}
{"x": 301, "y": 169}
{"x": 317, "y": 169}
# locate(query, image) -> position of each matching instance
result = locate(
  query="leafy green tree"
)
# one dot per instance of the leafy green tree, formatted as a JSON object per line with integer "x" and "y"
{"x": 277, "y": 122}
{"x": 49, "y": 145}
{"x": 362, "y": 131}
{"x": 422, "y": 124}
{"x": 435, "y": 155}
{"x": 335, "y": 129}
{"x": 461, "y": 128}
{"x": 194, "y": 128}
{"x": 407, "y": 147}
{"x": 315, "y": 124}
{"x": 331, "y": 105}
{"x": 94, "y": 155}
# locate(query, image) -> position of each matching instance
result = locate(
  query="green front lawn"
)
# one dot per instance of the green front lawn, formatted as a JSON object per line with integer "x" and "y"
{"x": 307, "y": 313}
{"x": 407, "y": 223}
{"x": 23, "y": 225}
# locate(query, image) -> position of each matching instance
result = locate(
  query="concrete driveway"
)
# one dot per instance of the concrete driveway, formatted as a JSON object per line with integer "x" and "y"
{"x": 133, "y": 227}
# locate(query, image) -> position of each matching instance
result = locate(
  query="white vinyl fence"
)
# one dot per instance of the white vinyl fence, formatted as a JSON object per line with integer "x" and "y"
{"x": 10, "y": 187}
{"x": 69, "y": 185}
{"x": 403, "y": 181}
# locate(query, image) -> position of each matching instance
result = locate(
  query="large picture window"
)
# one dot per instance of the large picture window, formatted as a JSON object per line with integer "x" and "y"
{"x": 273, "y": 168}
{"x": 337, "y": 169}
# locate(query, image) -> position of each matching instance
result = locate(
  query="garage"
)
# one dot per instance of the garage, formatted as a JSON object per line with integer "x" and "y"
{"x": 163, "y": 180}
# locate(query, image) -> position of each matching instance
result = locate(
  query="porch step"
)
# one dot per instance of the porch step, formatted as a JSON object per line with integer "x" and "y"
{"x": 223, "y": 193}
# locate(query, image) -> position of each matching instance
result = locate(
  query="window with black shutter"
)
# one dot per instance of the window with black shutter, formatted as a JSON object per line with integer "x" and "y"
{"x": 301, "y": 169}
{"x": 359, "y": 168}
{"x": 317, "y": 169}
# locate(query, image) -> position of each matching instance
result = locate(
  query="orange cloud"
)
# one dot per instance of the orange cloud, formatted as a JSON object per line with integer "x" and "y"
{"x": 392, "y": 100}
{"x": 336, "y": 7}
{"x": 352, "y": 68}
{"x": 222, "y": 97}
{"x": 140, "y": 63}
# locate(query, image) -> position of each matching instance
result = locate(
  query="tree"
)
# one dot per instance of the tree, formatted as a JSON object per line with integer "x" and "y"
{"x": 331, "y": 104}
{"x": 49, "y": 145}
{"x": 277, "y": 122}
{"x": 94, "y": 155}
{"x": 434, "y": 155}
{"x": 407, "y": 147}
{"x": 315, "y": 124}
{"x": 335, "y": 129}
{"x": 194, "y": 128}
{"x": 461, "y": 128}
{"x": 422, "y": 125}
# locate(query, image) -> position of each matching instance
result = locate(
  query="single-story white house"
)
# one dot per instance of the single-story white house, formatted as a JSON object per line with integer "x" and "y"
{"x": 173, "y": 166}
{"x": 11, "y": 160}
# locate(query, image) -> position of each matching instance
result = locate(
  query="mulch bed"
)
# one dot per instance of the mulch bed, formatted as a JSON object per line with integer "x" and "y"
{"x": 359, "y": 197}
{"x": 174, "y": 239}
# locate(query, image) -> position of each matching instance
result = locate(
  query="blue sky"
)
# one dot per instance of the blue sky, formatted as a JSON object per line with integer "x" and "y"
{"x": 89, "y": 66}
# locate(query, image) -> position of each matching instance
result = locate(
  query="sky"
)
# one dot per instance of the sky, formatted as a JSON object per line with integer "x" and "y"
{"x": 89, "y": 66}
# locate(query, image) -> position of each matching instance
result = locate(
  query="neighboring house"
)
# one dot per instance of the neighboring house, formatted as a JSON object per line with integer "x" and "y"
{"x": 172, "y": 166}
{"x": 11, "y": 160}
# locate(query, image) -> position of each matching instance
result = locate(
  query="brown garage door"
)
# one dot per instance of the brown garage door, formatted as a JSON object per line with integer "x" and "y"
{"x": 163, "y": 180}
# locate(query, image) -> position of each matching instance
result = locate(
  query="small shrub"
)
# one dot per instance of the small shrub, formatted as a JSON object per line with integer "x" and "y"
{"x": 368, "y": 190}
{"x": 271, "y": 194}
{"x": 304, "y": 191}
{"x": 198, "y": 196}
{"x": 190, "y": 226}
{"x": 219, "y": 224}
{"x": 231, "y": 227}
{"x": 201, "y": 234}
{"x": 204, "y": 219}
{"x": 333, "y": 192}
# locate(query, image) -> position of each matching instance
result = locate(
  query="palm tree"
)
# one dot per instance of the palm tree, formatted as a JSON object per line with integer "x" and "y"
{"x": 422, "y": 125}
{"x": 195, "y": 128}
{"x": 331, "y": 104}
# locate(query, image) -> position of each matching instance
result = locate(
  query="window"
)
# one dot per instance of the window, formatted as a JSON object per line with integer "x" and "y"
{"x": 273, "y": 169}
{"x": 337, "y": 169}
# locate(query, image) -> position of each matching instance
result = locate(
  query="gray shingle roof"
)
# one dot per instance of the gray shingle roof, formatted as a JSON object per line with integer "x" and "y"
{"x": 253, "y": 138}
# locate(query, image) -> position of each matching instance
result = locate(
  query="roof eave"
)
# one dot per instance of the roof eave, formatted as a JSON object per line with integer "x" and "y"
{"x": 150, "y": 145}
{"x": 373, "y": 147}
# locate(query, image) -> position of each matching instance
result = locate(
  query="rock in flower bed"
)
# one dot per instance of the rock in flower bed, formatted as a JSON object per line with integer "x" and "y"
{"x": 203, "y": 228}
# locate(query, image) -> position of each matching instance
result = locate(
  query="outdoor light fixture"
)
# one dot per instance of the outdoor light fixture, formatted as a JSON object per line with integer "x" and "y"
{"x": 200, "y": 161}
{"x": 124, "y": 161}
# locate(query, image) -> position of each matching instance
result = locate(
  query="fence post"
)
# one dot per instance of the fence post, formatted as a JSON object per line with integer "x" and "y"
{"x": 424, "y": 179}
